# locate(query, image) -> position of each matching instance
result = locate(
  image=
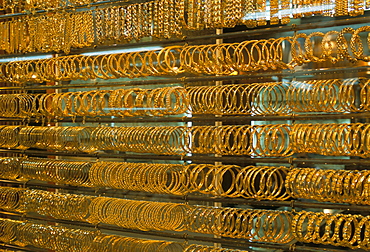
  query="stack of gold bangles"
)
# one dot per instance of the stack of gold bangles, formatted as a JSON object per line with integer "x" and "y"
{"x": 271, "y": 226}
{"x": 9, "y": 136}
{"x": 254, "y": 225}
{"x": 57, "y": 238}
{"x": 10, "y": 168}
{"x": 142, "y": 215}
{"x": 24, "y": 233}
{"x": 120, "y": 102}
{"x": 75, "y": 173}
{"x": 343, "y": 186}
{"x": 329, "y": 95}
{"x": 258, "y": 140}
{"x": 58, "y": 205}
{"x": 256, "y": 182}
{"x": 346, "y": 139}
{"x": 247, "y": 56}
{"x": 12, "y": 199}
{"x": 336, "y": 229}
{"x": 160, "y": 216}
{"x": 251, "y": 182}
{"x": 309, "y": 227}
{"x": 121, "y": 212}
{"x": 326, "y": 95}
{"x": 271, "y": 140}
{"x": 154, "y": 178}
{"x": 271, "y": 98}
{"x": 8, "y": 231}
{"x": 58, "y": 138}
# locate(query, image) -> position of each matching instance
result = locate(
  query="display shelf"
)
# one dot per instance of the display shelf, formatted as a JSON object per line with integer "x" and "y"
{"x": 314, "y": 70}
{"x": 242, "y": 119}
{"x": 235, "y": 243}
{"x": 188, "y": 81}
{"x": 184, "y": 235}
{"x": 195, "y": 158}
{"x": 119, "y": 193}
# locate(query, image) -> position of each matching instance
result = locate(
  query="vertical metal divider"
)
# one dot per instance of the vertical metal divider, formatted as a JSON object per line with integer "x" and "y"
{"x": 57, "y": 90}
{"x": 218, "y": 123}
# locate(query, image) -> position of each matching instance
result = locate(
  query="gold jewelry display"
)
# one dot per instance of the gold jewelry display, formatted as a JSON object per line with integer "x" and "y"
{"x": 310, "y": 227}
{"x": 163, "y": 216}
{"x": 269, "y": 98}
{"x": 12, "y": 199}
{"x": 58, "y": 205}
{"x": 342, "y": 186}
{"x": 331, "y": 139}
{"x": 268, "y": 226}
{"x": 247, "y": 56}
{"x": 62, "y": 31}
{"x": 258, "y": 140}
{"x": 48, "y": 237}
{"x": 251, "y": 182}
{"x": 59, "y": 171}
{"x": 10, "y": 168}
{"x": 281, "y": 98}
{"x": 121, "y": 103}
{"x": 252, "y": 224}
{"x": 199, "y": 135}
{"x": 336, "y": 229}
{"x": 9, "y": 232}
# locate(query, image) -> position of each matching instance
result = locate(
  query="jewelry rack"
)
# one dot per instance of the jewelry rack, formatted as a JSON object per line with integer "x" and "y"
{"x": 316, "y": 70}
{"x": 256, "y": 203}
{"x": 240, "y": 119}
{"x": 195, "y": 158}
{"x": 255, "y": 32}
{"x": 189, "y": 237}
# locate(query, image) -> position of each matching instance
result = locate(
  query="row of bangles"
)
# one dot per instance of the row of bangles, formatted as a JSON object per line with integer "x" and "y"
{"x": 149, "y": 215}
{"x": 269, "y": 140}
{"x": 23, "y": 233}
{"x": 268, "y": 98}
{"x": 220, "y": 59}
{"x": 250, "y": 182}
{"x": 61, "y": 31}
{"x": 272, "y": 226}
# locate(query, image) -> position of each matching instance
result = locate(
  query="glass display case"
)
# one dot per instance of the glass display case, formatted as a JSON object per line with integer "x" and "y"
{"x": 184, "y": 125}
